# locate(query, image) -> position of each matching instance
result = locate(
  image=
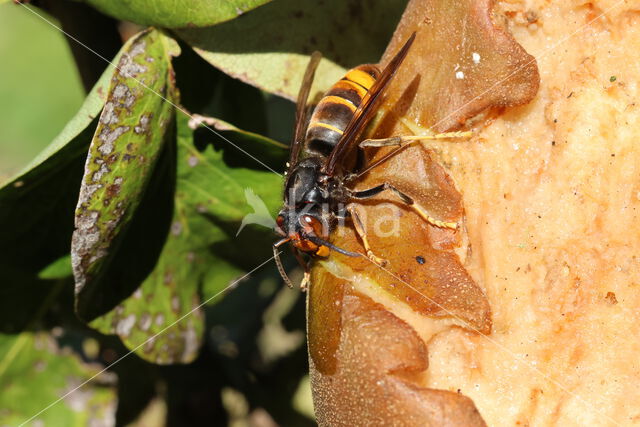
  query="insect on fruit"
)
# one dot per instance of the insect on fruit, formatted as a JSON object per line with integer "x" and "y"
{"x": 321, "y": 163}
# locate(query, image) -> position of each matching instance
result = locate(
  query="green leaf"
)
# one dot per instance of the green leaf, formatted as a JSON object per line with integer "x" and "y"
{"x": 201, "y": 249}
{"x": 35, "y": 373}
{"x": 36, "y": 212}
{"x": 176, "y": 14}
{"x": 131, "y": 134}
{"x": 269, "y": 47}
{"x": 217, "y": 191}
{"x": 58, "y": 269}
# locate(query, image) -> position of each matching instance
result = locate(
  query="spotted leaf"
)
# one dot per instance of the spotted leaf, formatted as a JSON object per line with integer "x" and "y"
{"x": 163, "y": 320}
{"x": 35, "y": 372}
{"x": 131, "y": 135}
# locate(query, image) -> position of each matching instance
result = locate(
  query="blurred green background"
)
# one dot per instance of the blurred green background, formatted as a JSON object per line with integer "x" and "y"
{"x": 35, "y": 101}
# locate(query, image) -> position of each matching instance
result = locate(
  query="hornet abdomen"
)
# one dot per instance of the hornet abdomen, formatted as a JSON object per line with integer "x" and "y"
{"x": 336, "y": 108}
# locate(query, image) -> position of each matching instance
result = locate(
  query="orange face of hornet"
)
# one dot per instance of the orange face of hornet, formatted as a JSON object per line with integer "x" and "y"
{"x": 302, "y": 234}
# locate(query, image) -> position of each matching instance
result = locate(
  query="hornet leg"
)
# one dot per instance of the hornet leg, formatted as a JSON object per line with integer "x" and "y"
{"x": 406, "y": 199}
{"x": 306, "y": 279}
{"x": 400, "y": 141}
{"x": 359, "y": 226}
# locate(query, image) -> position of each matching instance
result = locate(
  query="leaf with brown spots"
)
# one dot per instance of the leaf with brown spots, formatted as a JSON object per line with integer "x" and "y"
{"x": 163, "y": 320}
{"x": 133, "y": 127}
{"x": 35, "y": 372}
{"x": 270, "y": 47}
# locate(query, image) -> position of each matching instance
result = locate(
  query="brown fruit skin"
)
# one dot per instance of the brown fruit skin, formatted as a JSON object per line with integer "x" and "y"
{"x": 369, "y": 328}
{"x": 366, "y": 362}
{"x": 462, "y": 63}
{"x": 380, "y": 360}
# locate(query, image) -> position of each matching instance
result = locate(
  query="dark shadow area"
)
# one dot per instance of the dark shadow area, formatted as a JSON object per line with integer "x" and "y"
{"x": 271, "y": 155}
{"x": 280, "y": 118}
{"x": 95, "y": 30}
{"x": 40, "y": 205}
{"x": 253, "y": 243}
{"x": 207, "y": 91}
{"x": 194, "y": 393}
{"x": 137, "y": 383}
{"x": 232, "y": 331}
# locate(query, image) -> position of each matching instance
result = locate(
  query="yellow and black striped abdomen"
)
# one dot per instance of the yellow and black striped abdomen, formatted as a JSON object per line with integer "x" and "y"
{"x": 336, "y": 108}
